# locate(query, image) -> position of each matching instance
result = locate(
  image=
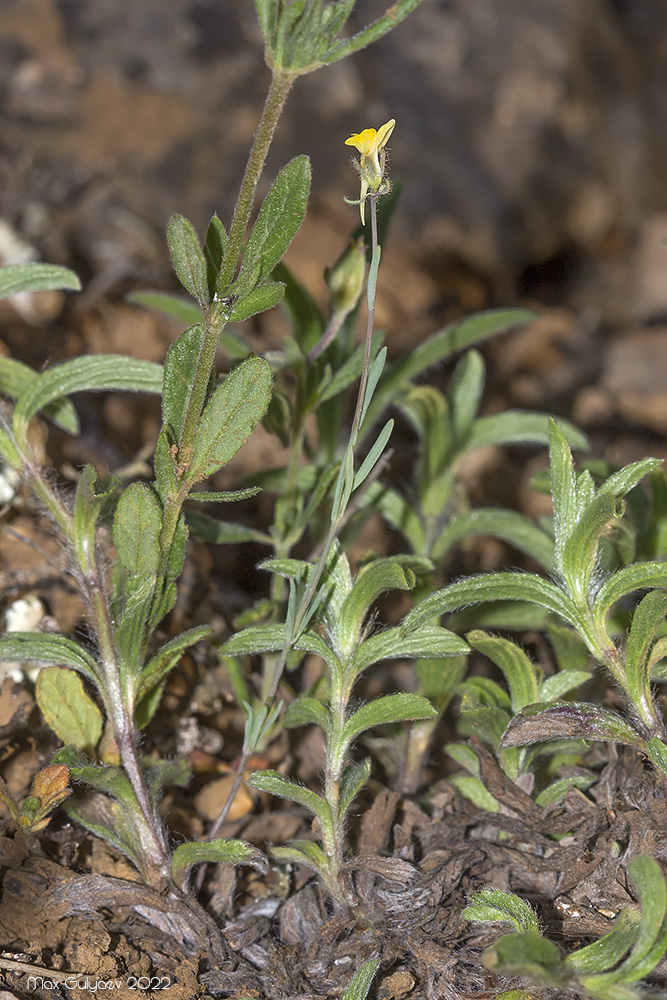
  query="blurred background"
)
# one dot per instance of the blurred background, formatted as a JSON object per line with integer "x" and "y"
{"x": 531, "y": 145}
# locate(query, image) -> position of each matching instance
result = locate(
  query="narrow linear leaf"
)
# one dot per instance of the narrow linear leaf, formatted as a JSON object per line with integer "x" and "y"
{"x": 429, "y": 640}
{"x": 175, "y": 306}
{"x": 373, "y": 456}
{"x": 222, "y": 532}
{"x": 50, "y": 649}
{"x": 93, "y": 373}
{"x": 276, "y": 784}
{"x": 15, "y": 278}
{"x": 15, "y": 377}
{"x": 386, "y": 710}
{"x": 492, "y": 587}
{"x": 516, "y": 666}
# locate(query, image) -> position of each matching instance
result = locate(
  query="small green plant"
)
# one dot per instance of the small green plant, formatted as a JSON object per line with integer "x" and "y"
{"x": 606, "y": 969}
{"x": 340, "y": 636}
{"x": 582, "y": 593}
{"x": 99, "y": 696}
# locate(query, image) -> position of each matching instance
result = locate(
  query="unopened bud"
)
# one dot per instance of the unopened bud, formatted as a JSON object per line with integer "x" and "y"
{"x": 346, "y": 278}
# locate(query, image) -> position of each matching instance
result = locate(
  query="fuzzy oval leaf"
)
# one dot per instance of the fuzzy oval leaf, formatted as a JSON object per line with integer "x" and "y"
{"x": 579, "y": 550}
{"x": 279, "y": 219}
{"x": 386, "y": 710}
{"x": 178, "y": 380}
{"x": 657, "y": 751}
{"x": 136, "y": 530}
{"x": 188, "y": 258}
{"x": 232, "y": 413}
{"x": 15, "y": 377}
{"x": 260, "y": 299}
{"x": 67, "y": 709}
{"x": 15, "y": 278}
{"x": 371, "y": 582}
{"x": 475, "y": 791}
{"x": 266, "y": 638}
{"x": 524, "y": 953}
{"x": 302, "y": 852}
{"x": 568, "y": 720}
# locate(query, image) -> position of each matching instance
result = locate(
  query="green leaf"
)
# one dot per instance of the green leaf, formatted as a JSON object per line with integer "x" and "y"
{"x": 557, "y": 790}
{"x": 269, "y": 638}
{"x": 67, "y": 709}
{"x": 475, "y": 791}
{"x": 646, "y": 619}
{"x": 525, "y": 954}
{"x": 136, "y": 530}
{"x": 569, "y": 720}
{"x": 92, "y": 373}
{"x": 234, "y": 410}
{"x": 519, "y": 672}
{"x": 15, "y": 377}
{"x": 578, "y": 552}
{"x": 231, "y": 852}
{"x": 362, "y": 981}
{"x": 443, "y": 344}
{"x": 385, "y": 710}
{"x": 371, "y": 581}
{"x": 178, "y": 379}
{"x": 166, "y": 658}
{"x": 15, "y": 278}
{"x": 628, "y": 579}
{"x": 376, "y": 368}
{"x": 373, "y": 456}
{"x": 188, "y": 258}
{"x": 175, "y": 306}
{"x": 517, "y": 427}
{"x": 492, "y": 587}
{"x": 651, "y": 941}
{"x": 50, "y": 649}
{"x": 624, "y": 480}
{"x": 303, "y": 312}
{"x": 465, "y": 392}
{"x": 391, "y": 644}
{"x": 222, "y": 532}
{"x": 278, "y": 222}
{"x": 353, "y": 780}
{"x": 657, "y": 751}
{"x": 276, "y": 784}
{"x": 302, "y": 852}
{"x": 496, "y": 906}
{"x": 214, "y": 251}
{"x": 563, "y": 488}
{"x": 608, "y": 950}
{"x": 224, "y": 496}
{"x": 553, "y": 688}
{"x": 507, "y": 525}
{"x": 306, "y": 711}
{"x": 260, "y": 299}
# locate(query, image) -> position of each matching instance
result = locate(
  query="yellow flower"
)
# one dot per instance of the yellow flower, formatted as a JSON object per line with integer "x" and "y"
{"x": 371, "y": 144}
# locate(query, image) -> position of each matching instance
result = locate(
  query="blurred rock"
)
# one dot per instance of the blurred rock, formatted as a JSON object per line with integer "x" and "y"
{"x": 634, "y": 376}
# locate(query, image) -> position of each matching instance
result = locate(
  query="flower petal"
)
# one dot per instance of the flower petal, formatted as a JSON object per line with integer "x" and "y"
{"x": 363, "y": 141}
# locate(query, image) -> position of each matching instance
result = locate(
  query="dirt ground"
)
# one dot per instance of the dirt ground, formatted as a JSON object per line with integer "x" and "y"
{"x": 531, "y": 149}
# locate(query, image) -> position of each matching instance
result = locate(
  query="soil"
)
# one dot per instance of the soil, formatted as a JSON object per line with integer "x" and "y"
{"x": 533, "y": 158}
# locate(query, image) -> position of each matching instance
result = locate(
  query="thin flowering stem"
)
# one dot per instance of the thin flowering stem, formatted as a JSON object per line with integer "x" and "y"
{"x": 308, "y": 603}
